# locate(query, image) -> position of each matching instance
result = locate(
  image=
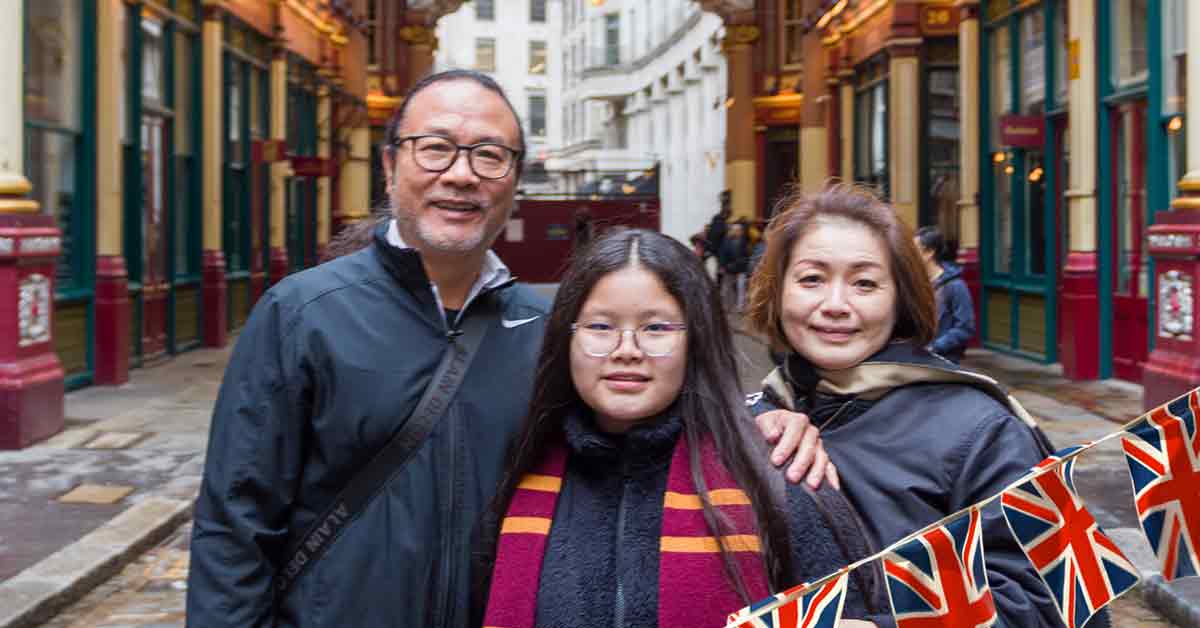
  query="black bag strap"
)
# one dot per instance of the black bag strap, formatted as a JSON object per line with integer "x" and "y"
{"x": 366, "y": 484}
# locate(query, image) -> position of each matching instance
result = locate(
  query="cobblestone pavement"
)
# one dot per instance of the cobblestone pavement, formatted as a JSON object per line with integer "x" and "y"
{"x": 150, "y": 592}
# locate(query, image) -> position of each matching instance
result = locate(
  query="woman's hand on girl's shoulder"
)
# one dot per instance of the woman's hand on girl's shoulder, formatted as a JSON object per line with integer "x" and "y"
{"x": 796, "y": 438}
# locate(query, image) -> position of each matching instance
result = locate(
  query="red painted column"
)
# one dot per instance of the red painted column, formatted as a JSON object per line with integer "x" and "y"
{"x": 1174, "y": 365}
{"x": 113, "y": 312}
{"x": 31, "y": 377}
{"x": 215, "y": 298}
{"x": 279, "y": 264}
{"x": 1080, "y": 304}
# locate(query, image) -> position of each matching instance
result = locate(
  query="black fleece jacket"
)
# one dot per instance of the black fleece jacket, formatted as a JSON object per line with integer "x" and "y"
{"x": 602, "y": 560}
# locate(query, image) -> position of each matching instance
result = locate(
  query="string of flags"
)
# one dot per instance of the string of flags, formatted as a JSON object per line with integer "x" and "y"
{"x": 937, "y": 576}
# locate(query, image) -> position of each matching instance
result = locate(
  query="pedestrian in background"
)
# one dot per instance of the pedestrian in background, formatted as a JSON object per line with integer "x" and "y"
{"x": 955, "y": 311}
{"x": 735, "y": 262}
{"x": 715, "y": 233}
{"x": 842, "y": 288}
{"x": 636, "y": 400}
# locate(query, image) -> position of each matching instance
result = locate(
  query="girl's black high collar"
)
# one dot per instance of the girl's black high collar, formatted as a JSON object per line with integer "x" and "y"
{"x": 647, "y": 446}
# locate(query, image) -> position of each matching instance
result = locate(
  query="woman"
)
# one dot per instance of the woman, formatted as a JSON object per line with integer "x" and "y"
{"x": 633, "y": 498}
{"x": 955, "y": 313}
{"x": 843, "y": 290}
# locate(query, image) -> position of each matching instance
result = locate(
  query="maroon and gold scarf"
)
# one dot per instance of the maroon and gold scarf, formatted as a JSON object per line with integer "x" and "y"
{"x": 692, "y": 588}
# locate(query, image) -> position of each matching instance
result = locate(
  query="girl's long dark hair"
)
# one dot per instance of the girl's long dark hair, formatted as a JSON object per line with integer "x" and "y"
{"x": 710, "y": 402}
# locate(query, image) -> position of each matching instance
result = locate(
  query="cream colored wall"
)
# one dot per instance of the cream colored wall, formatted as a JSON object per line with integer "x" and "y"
{"x": 904, "y": 147}
{"x": 1081, "y": 197}
{"x": 211, "y": 125}
{"x": 968, "y": 84}
{"x": 109, "y": 23}
{"x": 280, "y": 169}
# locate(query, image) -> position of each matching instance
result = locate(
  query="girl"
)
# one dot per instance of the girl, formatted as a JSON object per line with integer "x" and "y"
{"x": 635, "y": 497}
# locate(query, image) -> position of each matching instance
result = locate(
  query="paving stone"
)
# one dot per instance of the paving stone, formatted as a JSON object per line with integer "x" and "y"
{"x": 115, "y": 440}
{"x": 96, "y": 494}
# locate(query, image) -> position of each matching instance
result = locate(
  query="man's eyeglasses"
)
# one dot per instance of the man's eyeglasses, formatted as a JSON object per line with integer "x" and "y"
{"x": 435, "y": 153}
{"x": 654, "y": 339}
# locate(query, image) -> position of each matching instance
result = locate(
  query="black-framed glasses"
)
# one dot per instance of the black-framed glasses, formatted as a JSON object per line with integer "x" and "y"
{"x": 488, "y": 160}
{"x": 656, "y": 340}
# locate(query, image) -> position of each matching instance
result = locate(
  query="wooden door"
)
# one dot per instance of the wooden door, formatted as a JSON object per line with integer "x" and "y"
{"x": 1127, "y": 123}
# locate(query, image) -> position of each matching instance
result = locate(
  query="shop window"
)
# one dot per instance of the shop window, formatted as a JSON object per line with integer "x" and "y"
{"x": 153, "y": 67}
{"x": 1000, "y": 83}
{"x": 537, "y": 11}
{"x": 1033, "y": 62}
{"x": 1130, "y": 37}
{"x": 485, "y": 54}
{"x": 871, "y": 129}
{"x": 537, "y": 57}
{"x": 52, "y": 115}
{"x": 943, "y": 148}
{"x": 793, "y": 32}
{"x": 236, "y": 107}
{"x": 1035, "y": 213}
{"x": 1061, "y": 37}
{"x": 1174, "y": 73}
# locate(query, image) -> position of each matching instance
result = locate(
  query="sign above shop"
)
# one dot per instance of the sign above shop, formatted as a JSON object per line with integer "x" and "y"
{"x": 939, "y": 19}
{"x": 1022, "y": 131}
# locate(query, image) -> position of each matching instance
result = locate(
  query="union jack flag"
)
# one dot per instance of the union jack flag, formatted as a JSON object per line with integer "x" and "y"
{"x": 1082, "y": 567}
{"x": 1164, "y": 465}
{"x": 939, "y": 579}
{"x": 818, "y": 608}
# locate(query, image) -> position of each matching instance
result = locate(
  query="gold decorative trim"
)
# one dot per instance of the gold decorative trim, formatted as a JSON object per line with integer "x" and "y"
{"x": 12, "y": 184}
{"x": 18, "y": 206}
{"x": 418, "y": 35}
{"x": 1186, "y": 202}
{"x": 739, "y": 36}
{"x": 1189, "y": 185}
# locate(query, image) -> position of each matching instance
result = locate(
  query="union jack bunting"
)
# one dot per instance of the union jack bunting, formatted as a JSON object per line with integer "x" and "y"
{"x": 939, "y": 580}
{"x": 819, "y": 608}
{"x": 1164, "y": 465}
{"x": 1082, "y": 567}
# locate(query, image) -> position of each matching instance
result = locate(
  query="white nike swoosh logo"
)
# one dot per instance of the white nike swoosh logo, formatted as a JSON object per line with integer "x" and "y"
{"x": 518, "y": 322}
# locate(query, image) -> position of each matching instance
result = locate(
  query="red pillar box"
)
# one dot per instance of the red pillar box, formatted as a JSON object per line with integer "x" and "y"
{"x": 31, "y": 377}
{"x": 1174, "y": 365}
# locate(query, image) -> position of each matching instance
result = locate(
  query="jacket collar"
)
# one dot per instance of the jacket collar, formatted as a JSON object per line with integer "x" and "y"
{"x": 404, "y": 264}
{"x": 897, "y": 364}
{"x": 645, "y": 447}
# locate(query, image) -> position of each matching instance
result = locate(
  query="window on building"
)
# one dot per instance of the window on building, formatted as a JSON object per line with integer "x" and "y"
{"x": 612, "y": 39}
{"x": 537, "y": 57}
{"x": 871, "y": 132}
{"x": 1003, "y": 167}
{"x": 485, "y": 54}
{"x": 1130, "y": 38}
{"x": 793, "y": 32}
{"x": 1033, "y": 62}
{"x": 537, "y": 10}
{"x": 537, "y": 115}
{"x": 1175, "y": 86}
{"x": 1061, "y": 36}
{"x": 485, "y": 9}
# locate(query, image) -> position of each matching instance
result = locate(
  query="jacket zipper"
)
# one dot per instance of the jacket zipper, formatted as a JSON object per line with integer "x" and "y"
{"x": 619, "y": 600}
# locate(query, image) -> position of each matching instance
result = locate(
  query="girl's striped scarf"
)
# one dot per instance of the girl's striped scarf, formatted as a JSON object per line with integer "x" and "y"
{"x": 692, "y": 587}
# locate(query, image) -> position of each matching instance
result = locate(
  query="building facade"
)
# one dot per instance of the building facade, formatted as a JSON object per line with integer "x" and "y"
{"x": 518, "y": 44}
{"x": 162, "y": 164}
{"x": 1047, "y": 138}
{"x": 644, "y": 92}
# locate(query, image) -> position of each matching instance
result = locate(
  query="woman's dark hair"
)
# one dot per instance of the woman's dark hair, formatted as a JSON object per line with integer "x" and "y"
{"x": 797, "y": 214}
{"x": 931, "y": 239}
{"x": 710, "y": 402}
{"x": 358, "y": 235}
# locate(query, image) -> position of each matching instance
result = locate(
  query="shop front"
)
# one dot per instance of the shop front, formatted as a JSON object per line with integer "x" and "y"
{"x": 1024, "y": 91}
{"x": 59, "y": 153}
{"x": 161, "y": 170}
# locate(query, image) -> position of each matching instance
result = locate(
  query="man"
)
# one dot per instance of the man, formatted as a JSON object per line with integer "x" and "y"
{"x": 717, "y": 227}
{"x": 333, "y": 362}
